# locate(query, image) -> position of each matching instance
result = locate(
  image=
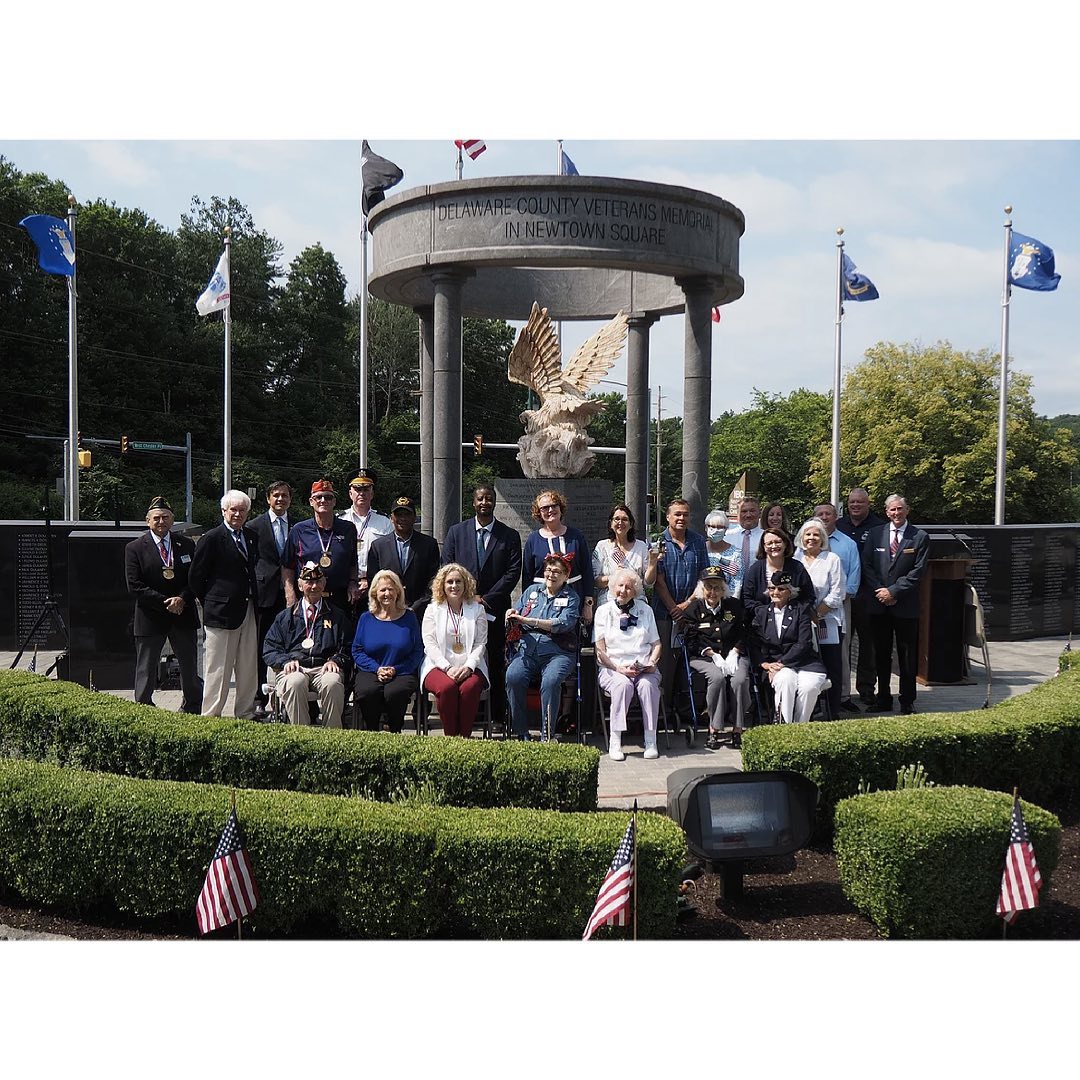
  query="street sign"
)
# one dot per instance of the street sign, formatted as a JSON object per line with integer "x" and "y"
{"x": 146, "y": 445}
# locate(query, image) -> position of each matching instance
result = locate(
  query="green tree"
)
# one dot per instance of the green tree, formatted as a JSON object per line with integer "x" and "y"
{"x": 779, "y": 435}
{"x": 923, "y": 422}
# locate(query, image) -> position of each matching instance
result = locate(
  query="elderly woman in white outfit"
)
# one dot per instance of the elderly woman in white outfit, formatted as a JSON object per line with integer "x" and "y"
{"x": 627, "y": 655}
{"x": 830, "y": 587}
{"x": 455, "y": 649}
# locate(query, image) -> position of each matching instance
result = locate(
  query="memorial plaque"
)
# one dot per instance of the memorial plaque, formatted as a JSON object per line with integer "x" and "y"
{"x": 588, "y": 505}
{"x": 24, "y": 578}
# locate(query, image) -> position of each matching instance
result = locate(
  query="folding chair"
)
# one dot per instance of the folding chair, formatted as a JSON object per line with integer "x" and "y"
{"x": 975, "y": 636}
{"x": 603, "y": 710}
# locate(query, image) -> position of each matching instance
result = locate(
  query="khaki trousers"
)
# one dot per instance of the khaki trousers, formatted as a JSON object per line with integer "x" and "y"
{"x": 329, "y": 687}
{"x": 227, "y": 652}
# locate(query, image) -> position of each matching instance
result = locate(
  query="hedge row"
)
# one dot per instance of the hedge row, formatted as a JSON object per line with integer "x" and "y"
{"x": 328, "y": 864}
{"x": 1031, "y": 741}
{"x": 926, "y": 863}
{"x": 45, "y": 720}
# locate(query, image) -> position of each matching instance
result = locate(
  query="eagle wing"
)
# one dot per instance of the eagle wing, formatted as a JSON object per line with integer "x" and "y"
{"x": 597, "y": 355}
{"x": 535, "y": 359}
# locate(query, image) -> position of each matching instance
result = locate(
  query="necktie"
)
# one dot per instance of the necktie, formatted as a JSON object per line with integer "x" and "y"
{"x": 745, "y": 549}
{"x": 164, "y": 552}
{"x": 481, "y": 547}
{"x": 279, "y": 535}
{"x": 239, "y": 538}
{"x": 894, "y": 547}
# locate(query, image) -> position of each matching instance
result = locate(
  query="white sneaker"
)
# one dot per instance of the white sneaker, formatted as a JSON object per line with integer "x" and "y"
{"x": 651, "y": 752}
{"x": 615, "y": 751}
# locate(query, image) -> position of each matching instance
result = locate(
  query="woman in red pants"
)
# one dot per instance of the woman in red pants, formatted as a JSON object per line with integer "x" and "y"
{"x": 455, "y": 649}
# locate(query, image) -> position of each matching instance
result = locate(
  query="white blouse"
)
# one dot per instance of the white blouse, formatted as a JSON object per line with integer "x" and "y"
{"x": 830, "y": 583}
{"x": 604, "y": 563}
{"x": 438, "y": 635}
{"x": 626, "y": 646}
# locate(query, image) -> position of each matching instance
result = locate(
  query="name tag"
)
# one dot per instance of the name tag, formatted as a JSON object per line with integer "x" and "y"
{"x": 562, "y": 601}
{"x": 704, "y": 626}
{"x": 185, "y": 558}
{"x": 879, "y": 549}
{"x": 909, "y": 551}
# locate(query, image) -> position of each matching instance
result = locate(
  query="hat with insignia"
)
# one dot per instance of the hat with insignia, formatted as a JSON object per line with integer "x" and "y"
{"x": 781, "y": 577}
{"x": 363, "y": 476}
{"x": 712, "y": 573}
{"x": 311, "y": 572}
{"x": 322, "y": 487}
{"x": 159, "y": 502}
{"x": 403, "y": 502}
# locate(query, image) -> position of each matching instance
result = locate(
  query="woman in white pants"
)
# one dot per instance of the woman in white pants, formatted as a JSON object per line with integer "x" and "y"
{"x": 627, "y": 655}
{"x": 782, "y": 645}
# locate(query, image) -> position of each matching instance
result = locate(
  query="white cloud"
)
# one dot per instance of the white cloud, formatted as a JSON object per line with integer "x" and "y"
{"x": 124, "y": 163}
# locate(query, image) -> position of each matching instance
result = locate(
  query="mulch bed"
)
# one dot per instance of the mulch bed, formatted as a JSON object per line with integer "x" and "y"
{"x": 794, "y": 898}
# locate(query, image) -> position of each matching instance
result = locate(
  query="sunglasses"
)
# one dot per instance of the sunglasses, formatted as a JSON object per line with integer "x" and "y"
{"x": 323, "y": 498}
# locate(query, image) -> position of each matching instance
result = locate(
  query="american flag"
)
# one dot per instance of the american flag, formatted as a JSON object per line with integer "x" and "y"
{"x": 90, "y": 681}
{"x": 473, "y": 147}
{"x": 613, "y": 902}
{"x": 229, "y": 891}
{"x": 715, "y": 314}
{"x": 33, "y": 661}
{"x": 1021, "y": 880}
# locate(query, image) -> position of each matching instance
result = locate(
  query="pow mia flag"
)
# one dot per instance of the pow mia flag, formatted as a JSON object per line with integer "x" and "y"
{"x": 377, "y": 174}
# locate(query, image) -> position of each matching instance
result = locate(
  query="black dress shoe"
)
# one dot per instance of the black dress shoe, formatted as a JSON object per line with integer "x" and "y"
{"x": 907, "y": 710}
{"x": 881, "y": 706}
{"x": 850, "y": 706}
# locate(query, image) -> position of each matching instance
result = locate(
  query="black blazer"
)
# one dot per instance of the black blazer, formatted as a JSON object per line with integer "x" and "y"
{"x": 423, "y": 565}
{"x": 720, "y": 632}
{"x": 222, "y": 579}
{"x": 498, "y": 577}
{"x": 901, "y": 576}
{"x": 142, "y": 569}
{"x": 793, "y": 646}
{"x": 269, "y": 588}
{"x": 755, "y": 587}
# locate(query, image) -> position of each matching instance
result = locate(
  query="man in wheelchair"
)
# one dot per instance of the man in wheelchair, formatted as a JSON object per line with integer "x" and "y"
{"x": 308, "y": 649}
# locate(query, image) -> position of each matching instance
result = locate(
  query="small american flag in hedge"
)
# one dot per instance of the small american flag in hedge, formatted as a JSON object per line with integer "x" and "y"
{"x": 229, "y": 892}
{"x": 1021, "y": 880}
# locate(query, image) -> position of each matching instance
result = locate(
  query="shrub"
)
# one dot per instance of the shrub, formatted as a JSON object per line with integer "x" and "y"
{"x": 926, "y": 862}
{"x": 46, "y": 720}
{"x": 81, "y": 840}
{"x": 1031, "y": 741}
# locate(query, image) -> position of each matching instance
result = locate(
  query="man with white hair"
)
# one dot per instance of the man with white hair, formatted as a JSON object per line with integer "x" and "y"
{"x": 223, "y": 578}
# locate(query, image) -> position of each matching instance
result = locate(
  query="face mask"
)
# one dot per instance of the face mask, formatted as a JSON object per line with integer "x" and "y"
{"x": 715, "y": 535}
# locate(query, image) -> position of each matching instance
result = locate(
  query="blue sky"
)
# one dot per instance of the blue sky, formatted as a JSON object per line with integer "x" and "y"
{"x": 923, "y": 219}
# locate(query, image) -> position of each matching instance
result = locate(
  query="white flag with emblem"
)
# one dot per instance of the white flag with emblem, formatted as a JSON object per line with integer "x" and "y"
{"x": 216, "y": 296}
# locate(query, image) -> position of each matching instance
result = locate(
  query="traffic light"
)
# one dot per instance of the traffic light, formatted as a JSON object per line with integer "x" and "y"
{"x": 78, "y": 440}
{"x": 477, "y": 445}
{"x": 82, "y": 455}
{"x": 650, "y": 499}
{"x": 125, "y": 446}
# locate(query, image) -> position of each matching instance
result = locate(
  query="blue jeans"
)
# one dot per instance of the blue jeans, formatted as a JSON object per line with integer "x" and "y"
{"x": 553, "y": 665}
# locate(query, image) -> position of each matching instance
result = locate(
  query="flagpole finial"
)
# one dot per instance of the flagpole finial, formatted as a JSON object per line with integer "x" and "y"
{"x": 228, "y": 231}
{"x": 1008, "y": 209}
{"x": 840, "y": 230}
{"x": 71, "y": 200}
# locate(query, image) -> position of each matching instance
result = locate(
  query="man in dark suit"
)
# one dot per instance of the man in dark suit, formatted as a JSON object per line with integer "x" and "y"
{"x": 894, "y": 558}
{"x": 223, "y": 578}
{"x": 272, "y": 530}
{"x": 491, "y": 552}
{"x": 156, "y": 566}
{"x": 412, "y": 555}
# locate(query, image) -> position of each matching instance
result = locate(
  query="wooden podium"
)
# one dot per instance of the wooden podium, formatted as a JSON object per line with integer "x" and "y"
{"x": 942, "y": 637}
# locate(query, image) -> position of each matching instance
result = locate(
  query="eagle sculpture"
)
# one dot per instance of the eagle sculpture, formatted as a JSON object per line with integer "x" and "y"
{"x": 555, "y": 443}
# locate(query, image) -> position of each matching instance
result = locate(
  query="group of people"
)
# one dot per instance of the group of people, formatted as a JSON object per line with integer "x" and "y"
{"x": 367, "y": 596}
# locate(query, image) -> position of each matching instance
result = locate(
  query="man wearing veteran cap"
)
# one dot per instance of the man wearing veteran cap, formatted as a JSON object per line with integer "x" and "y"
{"x": 413, "y": 556}
{"x": 308, "y": 646}
{"x": 370, "y": 524}
{"x": 156, "y": 567}
{"x": 326, "y": 540}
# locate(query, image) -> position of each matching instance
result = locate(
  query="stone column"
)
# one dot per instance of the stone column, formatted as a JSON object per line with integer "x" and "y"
{"x": 446, "y": 433}
{"x": 426, "y": 315}
{"x": 697, "y": 397}
{"x": 637, "y": 416}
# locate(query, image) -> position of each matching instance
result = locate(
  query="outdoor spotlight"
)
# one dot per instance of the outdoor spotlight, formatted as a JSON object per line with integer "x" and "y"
{"x": 730, "y": 816}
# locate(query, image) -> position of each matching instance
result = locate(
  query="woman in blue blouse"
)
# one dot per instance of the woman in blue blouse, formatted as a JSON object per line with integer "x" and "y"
{"x": 388, "y": 649}
{"x": 555, "y": 537}
{"x": 547, "y": 618}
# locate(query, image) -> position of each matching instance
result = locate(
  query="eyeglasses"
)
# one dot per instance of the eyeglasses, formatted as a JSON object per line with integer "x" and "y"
{"x": 550, "y": 506}
{"x": 321, "y": 498}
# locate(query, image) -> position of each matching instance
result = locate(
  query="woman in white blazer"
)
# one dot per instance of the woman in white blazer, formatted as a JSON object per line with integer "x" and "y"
{"x": 455, "y": 649}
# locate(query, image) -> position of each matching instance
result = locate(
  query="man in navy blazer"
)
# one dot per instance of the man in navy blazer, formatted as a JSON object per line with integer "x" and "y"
{"x": 893, "y": 560}
{"x": 223, "y": 578}
{"x": 156, "y": 566}
{"x": 497, "y": 573}
{"x": 412, "y": 555}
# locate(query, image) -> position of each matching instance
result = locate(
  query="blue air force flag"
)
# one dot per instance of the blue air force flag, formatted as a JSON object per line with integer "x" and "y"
{"x": 1031, "y": 264}
{"x": 857, "y": 286}
{"x": 568, "y": 167}
{"x": 216, "y": 296}
{"x": 55, "y": 244}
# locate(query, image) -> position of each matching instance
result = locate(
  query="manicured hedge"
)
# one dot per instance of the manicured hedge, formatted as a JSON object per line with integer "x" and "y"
{"x": 926, "y": 863}
{"x": 1031, "y": 742}
{"x": 45, "y": 720}
{"x": 363, "y": 869}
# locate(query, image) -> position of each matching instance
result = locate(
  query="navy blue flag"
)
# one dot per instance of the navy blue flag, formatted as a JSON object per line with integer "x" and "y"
{"x": 568, "y": 167}
{"x": 1031, "y": 264}
{"x": 857, "y": 286}
{"x": 55, "y": 244}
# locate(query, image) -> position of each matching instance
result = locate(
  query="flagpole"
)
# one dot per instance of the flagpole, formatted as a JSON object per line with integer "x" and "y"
{"x": 72, "y": 487}
{"x": 1003, "y": 388}
{"x": 559, "y": 169}
{"x": 239, "y": 918}
{"x": 362, "y": 404}
{"x": 227, "y": 314}
{"x": 635, "y": 868}
{"x": 834, "y": 486}
{"x": 459, "y": 162}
